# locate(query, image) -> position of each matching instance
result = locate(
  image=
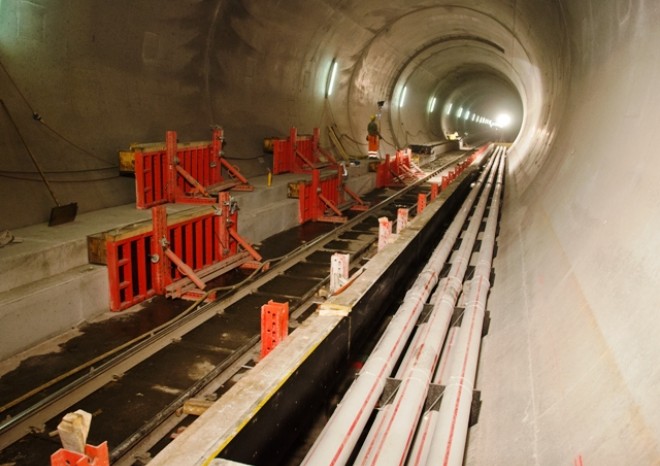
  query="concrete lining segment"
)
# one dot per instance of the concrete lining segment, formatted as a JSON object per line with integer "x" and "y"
{"x": 51, "y": 306}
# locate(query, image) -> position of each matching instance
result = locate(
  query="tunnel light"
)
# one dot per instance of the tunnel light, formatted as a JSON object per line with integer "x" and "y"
{"x": 402, "y": 99}
{"x": 432, "y": 105}
{"x": 503, "y": 120}
{"x": 467, "y": 115}
{"x": 473, "y": 117}
{"x": 449, "y": 106}
{"x": 331, "y": 79}
{"x": 459, "y": 112}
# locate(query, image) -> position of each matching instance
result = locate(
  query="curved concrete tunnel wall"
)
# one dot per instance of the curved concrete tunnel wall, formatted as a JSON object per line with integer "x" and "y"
{"x": 570, "y": 367}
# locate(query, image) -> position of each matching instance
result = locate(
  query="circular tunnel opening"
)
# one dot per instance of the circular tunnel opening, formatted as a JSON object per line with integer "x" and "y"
{"x": 457, "y": 88}
{"x": 446, "y": 71}
{"x": 476, "y": 104}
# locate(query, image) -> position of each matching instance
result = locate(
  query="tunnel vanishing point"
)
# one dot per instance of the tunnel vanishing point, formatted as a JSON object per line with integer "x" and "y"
{"x": 571, "y": 365}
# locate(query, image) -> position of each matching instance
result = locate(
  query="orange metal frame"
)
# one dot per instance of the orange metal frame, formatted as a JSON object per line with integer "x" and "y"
{"x": 300, "y": 153}
{"x": 320, "y": 195}
{"x": 184, "y": 173}
{"x": 176, "y": 260}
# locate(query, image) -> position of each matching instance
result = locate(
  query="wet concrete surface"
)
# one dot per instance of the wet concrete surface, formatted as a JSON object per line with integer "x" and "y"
{"x": 290, "y": 287}
{"x": 95, "y": 339}
{"x": 306, "y": 269}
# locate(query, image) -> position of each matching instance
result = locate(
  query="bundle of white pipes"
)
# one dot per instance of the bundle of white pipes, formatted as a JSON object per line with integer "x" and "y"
{"x": 448, "y": 440}
{"x": 391, "y": 435}
{"x": 337, "y": 441}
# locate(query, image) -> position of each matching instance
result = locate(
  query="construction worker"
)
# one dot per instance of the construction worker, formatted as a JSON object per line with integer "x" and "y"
{"x": 373, "y": 136}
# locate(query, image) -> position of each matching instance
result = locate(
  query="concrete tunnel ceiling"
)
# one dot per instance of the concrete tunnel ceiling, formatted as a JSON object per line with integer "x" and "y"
{"x": 484, "y": 53}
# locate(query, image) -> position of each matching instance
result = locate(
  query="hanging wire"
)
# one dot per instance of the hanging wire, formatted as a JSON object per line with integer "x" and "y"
{"x": 37, "y": 117}
{"x": 4, "y": 174}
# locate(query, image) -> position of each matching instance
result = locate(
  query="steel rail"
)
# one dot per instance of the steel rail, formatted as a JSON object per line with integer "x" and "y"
{"x": 34, "y": 417}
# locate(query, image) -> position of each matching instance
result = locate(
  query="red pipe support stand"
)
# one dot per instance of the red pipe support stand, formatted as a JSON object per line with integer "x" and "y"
{"x": 401, "y": 219}
{"x": 274, "y": 325}
{"x": 421, "y": 203}
{"x": 434, "y": 191}
{"x": 384, "y": 232}
{"x": 93, "y": 456}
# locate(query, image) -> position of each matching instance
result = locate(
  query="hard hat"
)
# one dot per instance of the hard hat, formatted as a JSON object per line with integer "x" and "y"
{"x": 373, "y": 117}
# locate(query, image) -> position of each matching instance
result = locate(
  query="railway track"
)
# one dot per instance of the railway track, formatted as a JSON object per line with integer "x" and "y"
{"x": 136, "y": 393}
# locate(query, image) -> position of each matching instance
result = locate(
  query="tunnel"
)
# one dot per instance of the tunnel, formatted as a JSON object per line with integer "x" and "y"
{"x": 569, "y": 372}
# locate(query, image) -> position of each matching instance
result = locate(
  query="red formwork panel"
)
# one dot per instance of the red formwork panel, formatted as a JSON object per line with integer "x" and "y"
{"x": 299, "y": 153}
{"x": 199, "y": 241}
{"x": 394, "y": 170}
{"x": 156, "y": 179}
{"x": 282, "y": 160}
{"x": 311, "y": 205}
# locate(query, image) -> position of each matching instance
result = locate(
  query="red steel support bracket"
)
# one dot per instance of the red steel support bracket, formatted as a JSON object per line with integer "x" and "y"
{"x": 361, "y": 205}
{"x": 218, "y": 139}
{"x": 245, "y": 245}
{"x": 174, "y": 193}
{"x": 190, "y": 179}
{"x": 184, "y": 268}
{"x": 170, "y": 154}
{"x": 329, "y": 203}
{"x": 305, "y": 159}
{"x": 316, "y": 147}
{"x": 93, "y": 456}
{"x": 161, "y": 277}
{"x": 229, "y": 220}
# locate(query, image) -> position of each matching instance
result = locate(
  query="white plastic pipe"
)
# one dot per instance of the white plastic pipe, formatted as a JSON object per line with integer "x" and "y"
{"x": 421, "y": 446}
{"x": 394, "y": 431}
{"x": 340, "y": 435}
{"x": 448, "y": 442}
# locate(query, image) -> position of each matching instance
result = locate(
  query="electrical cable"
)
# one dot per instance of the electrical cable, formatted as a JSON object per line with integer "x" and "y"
{"x": 53, "y": 172}
{"x": 37, "y": 117}
{"x": 23, "y": 178}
